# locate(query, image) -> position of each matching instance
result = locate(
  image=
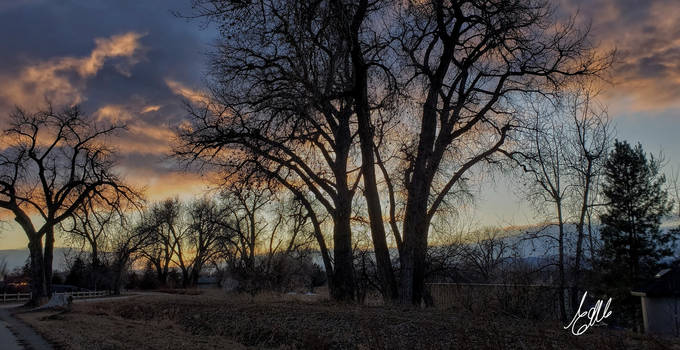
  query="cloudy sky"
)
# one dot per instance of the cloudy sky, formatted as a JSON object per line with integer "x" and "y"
{"x": 133, "y": 61}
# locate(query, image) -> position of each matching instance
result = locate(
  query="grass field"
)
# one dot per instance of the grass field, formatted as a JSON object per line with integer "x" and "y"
{"x": 271, "y": 321}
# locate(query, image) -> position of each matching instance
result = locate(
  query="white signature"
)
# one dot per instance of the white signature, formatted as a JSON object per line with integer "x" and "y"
{"x": 593, "y": 316}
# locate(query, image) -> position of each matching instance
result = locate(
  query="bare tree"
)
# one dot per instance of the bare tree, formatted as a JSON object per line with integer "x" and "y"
{"x": 162, "y": 220}
{"x": 264, "y": 232}
{"x": 53, "y": 162}
{"x": 486, "y": 253}
{"x": 95, "y": 221}
{"x": 294, "y": 76}
{"x": 127, "y": 245}
{"x": 280, "y": 110}
{"x": 206, "y": 230}
{"x": 564, "y": 156}
{"x": 467, "y": 65}
{"x": 545, "y": 162}
{"x": 589, "y": 140}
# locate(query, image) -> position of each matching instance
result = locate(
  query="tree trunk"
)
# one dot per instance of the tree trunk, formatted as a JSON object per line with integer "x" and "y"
{"x": 343, "y": 276}
{"x": 47, "y": 260}
{"x": 365, "y": 130}
{"x": 563, "y": 313}
{"x": 186, "y": 279}
{"x": 580, "y": 229}
{"x": 195, "y": 274}
{"x": 119, "y": 269}
{"x": 416, "y": 220}
{"x": 39, "y": 287}
{"x": 415, "y": 242}
{"x": 413, "y": 257}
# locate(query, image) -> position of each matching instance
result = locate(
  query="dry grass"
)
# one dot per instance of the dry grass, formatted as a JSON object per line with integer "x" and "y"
{"x": 215, "y": 321}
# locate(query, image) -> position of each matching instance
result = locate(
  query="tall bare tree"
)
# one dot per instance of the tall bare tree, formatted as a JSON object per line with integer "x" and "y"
{"x": 546, "y": 162}
{"x": 51, "y": 162}
{"x": 461, "y": 64}
{"x": 281, "y": 110}
{"x": 589, "y": 140}
{"x": 467, "y": 63}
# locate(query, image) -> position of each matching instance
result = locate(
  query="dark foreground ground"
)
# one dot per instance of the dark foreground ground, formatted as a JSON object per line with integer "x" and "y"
{"x": 215, "y": 321}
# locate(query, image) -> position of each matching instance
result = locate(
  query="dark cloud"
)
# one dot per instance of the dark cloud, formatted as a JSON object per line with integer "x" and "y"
{"x": 45, "y": 30}
{"x": 126, "y": 60}
{"x": 646, "y": 35}
{"x": 51, "y": 44}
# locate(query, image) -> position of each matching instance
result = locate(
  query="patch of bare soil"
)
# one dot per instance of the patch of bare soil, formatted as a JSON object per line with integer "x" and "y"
{"x": 89, "y": 326}
{"x": 295, "y": 322}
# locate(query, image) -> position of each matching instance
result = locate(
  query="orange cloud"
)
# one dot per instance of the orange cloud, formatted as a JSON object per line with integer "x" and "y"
{"x": 152, "y": 108}
{"x": 113, "y": 113}
{"x": 143, "y": 137}
{"x": 160, "y": 186}
{"x": 191, "y": 95}
{"x": 62, "y": 79}
{"x": 148, "y": 139}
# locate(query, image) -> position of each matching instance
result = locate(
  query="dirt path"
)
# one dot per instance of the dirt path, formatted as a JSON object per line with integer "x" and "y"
{"x": 16, "y": 335}
{"x": 7, "y": 339}
{"x": 21, "y": 335}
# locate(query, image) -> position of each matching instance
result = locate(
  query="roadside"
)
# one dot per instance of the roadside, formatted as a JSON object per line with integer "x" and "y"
{"x": 15, "y": 334}
{"x": 275, "y": 321}
{"x": 7, "y": 339}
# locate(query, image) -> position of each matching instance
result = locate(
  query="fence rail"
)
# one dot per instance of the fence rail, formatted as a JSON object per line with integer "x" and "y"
{"x": 14, "y": 297}
{"x": 527, "y": 300}
{"x": 85, "y": 295}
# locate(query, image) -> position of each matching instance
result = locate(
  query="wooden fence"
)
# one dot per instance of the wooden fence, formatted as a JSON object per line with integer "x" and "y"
{"x": 18, "y": 297}
{"x": 524, "y": 300}
{"x": 15, "y": 297}
{"x": 85, "y": 295}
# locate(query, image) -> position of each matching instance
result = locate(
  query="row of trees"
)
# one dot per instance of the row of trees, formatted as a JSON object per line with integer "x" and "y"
{"x": 354, "y": 115}
{"x": 245, "y": 232}
{"x": 397, "y": 99}
{"x": 57, "y": 176}
{"x": 251, "y": 225}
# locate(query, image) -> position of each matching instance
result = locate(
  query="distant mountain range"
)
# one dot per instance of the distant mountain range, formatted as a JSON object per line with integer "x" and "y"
{"x": 17, "y": 257}
{"x": 523, "y": 239}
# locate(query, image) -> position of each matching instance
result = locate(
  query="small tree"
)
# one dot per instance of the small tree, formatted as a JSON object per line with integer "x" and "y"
{"x": 636, "y": 202}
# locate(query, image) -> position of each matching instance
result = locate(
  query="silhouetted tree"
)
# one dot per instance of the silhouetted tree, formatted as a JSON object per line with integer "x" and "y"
{"x": 206, "y": 230}
{"x": 127, "y": 245}
{"x": 635, "y": 204}
{"x": 589, "y": 139}
{"x": 280, "y": 109}
{"x": 299, "y": 81}
{"x": 545, "y": 161}
{"x": 469, "y": 63}
{"x": 164, "y": 222}
{"x": 53, "y": 162}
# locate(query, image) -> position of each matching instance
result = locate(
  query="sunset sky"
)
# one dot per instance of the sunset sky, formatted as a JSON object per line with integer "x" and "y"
{"x": 133, "y": 61}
